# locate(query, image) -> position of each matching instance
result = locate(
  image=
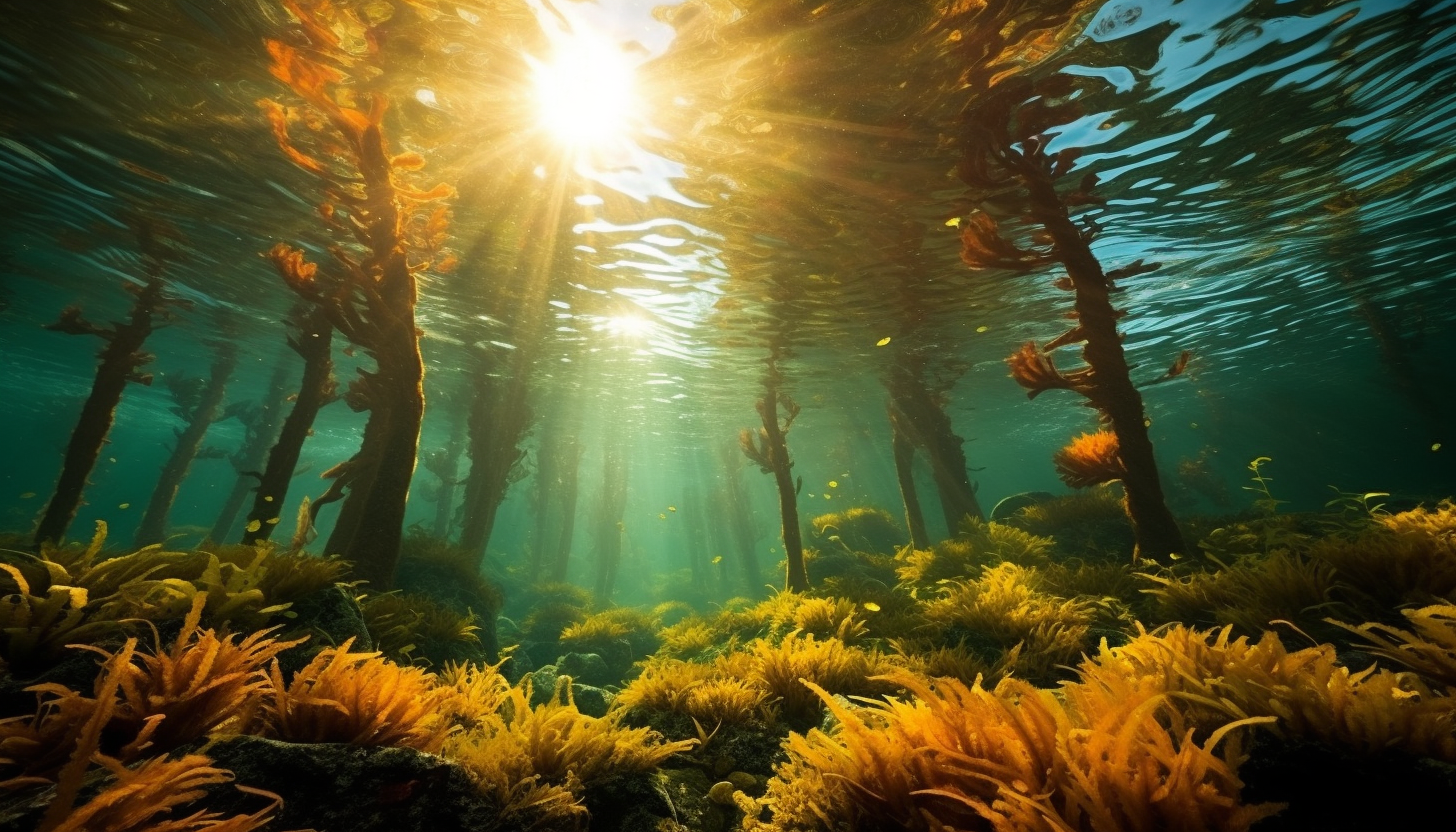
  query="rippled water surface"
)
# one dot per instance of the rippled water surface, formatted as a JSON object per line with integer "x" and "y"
{"x": 788, "y": 184}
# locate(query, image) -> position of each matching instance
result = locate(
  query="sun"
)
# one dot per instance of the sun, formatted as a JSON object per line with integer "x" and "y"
{"x": 586, "y": 93}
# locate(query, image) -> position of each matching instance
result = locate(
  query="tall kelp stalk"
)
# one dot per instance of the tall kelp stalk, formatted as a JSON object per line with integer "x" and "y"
{"x": 372, "y": 303}
{"x": 769, "y": 449}
{"x": 312, "y": 338}
{"x": 737, "y": 518}
{"x": 121, "y": 362}
{"x": 199, "y": 403}
{"x": 444, "y": 463}
{"x": 611, "y": 504}
{"x": 902, "y": 446}
{"x": 568, "y": 467}
{"x": 919, "y": 414}
{"x": 260, "y": 422}
{"x": 499, "y": 420}
{"x": 1006, "y": 148}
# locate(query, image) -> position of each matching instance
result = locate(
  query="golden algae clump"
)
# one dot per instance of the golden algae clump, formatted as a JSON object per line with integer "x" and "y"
{"x": 1006, "y": 607}
{"x": 1215, "y": 677}
{"x": 1249, "y": 594}
{"x": 860, "y": 529}
{"x": 403, "y": 624}
{"x": 619, "y": 624}
{"x": 700, "y": 691}
{"x": 1090, "y": 459}
{"x": 360, "y": 699}
{"x": 977, "y": 545}
{"x": 784, "y": 669}
{"x": 1430, "y": 650}
{"x": 957, "y": 756}
{"x": 534, "y": 763}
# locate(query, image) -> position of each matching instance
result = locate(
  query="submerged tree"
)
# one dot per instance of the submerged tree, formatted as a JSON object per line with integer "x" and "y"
{"x": 612, "y": 503}
{"x": 312, "y": 339}
{"x": 260, "y": 430}
{"x": 384, "y": 241}
{"x": 1007, "y": 150}
{"x": 199, "y": 404}
{"x": 769, "y": 449}
{"x": 121, "y": 361}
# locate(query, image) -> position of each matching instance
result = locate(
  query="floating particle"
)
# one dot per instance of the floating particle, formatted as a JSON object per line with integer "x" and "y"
{"x": 872, "y": 606}
{"x": 124, "y": 505}
{"x": 672, "y": 508}
{"x": 27, "y": 495}
{"x": 833, "y": 483}
{"x": 661, "y": 516}
{"x": 273, "y": 521}
{"x": 254, "y": 525}
{"x": 718, "y": 559}
{"x": 1193, "y": 425}
{"x": 113, "y": 459}
{"x": 882, "y": 341}
{"x": 953, "y": 222}
{"x": 268, "y": 498}
{"x": 828, "y": 496}
{"x": 983, "y": 329}
{"x": 845, "y": 475}
{"x": 1436, "y": 446}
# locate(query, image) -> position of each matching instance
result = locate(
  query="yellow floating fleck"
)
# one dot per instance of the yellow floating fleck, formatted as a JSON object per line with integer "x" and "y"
{"x": 1436, "y": 446}
{"x": 828, "y": 496}
{"x": 268, "y": 498}
{"x": 27, "y": 495}
{"x": 124, "y": 505}
{"x": 983, "y": 329}
{"x": 872, "y": 606}
{"x": 254, "y": 525}
{"x": 273, "y": 521}
{"x": 1193, "y": 425}
{"x": 718, "y": 559}
{"x": 112, "y": 459}
{"x": 672, "y": 508}
{"x": 882, "y": 342}
{"x": 833, "y": 483}
{"x": 662, "y": 517}
{"x": 953, "y": 222}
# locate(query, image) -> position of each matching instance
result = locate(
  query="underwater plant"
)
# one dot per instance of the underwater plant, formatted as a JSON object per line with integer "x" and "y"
{"x": 407, "y": 627}
{"x": 359, "y": 699}
{"x": 151, "y": 795}
{"x": 311, "y": 336}
{"x": 121, "y": 362}
{"x": 784, "y": 669}
{"x": 861, "y": 529}
{"x": 769, "y": 449}
{"x": 979, "y": 544}
{"x": 1429, "y": 648}
{"x": 1006, "y": 145}
{"x": 198, "y": 404}
{"x": 700, "y": 691}
{"x": 1250, "y": 593}
{"x": 372, "y": 301}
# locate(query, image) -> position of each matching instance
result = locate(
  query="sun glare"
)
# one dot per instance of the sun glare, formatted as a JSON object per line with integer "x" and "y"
{"x": 585, "y": 94}
{"x": 628, "y": 326}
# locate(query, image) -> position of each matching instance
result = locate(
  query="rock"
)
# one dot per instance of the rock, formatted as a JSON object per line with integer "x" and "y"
{"x": 1017, "y": 502}
{"x": 592, "y": 701}
{"x": 688, "y": 789}
{"x": 722, "y": 764}
{"x": 626, "y": 803}
{"x": 345, "y": 787}
{"x": 587, "y": 668}
{"x": 328, "y": 617}
{"x": 721, "y": 793}
{"x": 745, "y": 782}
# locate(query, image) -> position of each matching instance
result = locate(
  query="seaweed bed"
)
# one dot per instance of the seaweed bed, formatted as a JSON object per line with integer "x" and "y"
{"x": 1297, "y": 674}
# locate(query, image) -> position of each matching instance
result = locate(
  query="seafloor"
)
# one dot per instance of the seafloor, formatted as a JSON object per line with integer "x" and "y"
{"x": 1295, "y": 674}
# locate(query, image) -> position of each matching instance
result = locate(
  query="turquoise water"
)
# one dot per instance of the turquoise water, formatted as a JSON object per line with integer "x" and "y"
{"x": 1289, "y": 164}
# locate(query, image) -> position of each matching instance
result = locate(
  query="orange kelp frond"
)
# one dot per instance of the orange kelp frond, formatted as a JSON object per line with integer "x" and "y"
{"x": 360, "y": 699}
{"x": 1033, "y": 369}
{"x": 983, "y": 247}
{"x": 145, "y": 798}
{"x": 1090, "y": 459}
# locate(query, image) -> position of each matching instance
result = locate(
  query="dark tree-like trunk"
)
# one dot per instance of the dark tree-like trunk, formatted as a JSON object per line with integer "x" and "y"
{"x": 771, "y": 451}
{"x": 445, "y": 467}
{"x": 499, "y": 419}
{"x": 313, "y": 343}
{"x": 903, "y": 447}
{"x": 920, "y": 414}
{"x": 569, "y": 460}
{"x": 1111, "y": 389}
{"x": 121, "y": 358}
{"x": 260, "y": 431}
{"x": 200, "y": 415}
{"x": 608, "y": 543}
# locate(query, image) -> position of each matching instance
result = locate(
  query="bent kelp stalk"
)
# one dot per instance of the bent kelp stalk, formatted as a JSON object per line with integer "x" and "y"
{"x": 121, "y": 362}
{"x": 373, "y": 301}
{"x": 313, "y": 341}
{"x": 1007, "y": 148}
{"x": 199, "y": 404}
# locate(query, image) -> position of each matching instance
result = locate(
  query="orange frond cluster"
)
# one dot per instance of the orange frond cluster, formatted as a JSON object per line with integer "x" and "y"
{"x": 144, "y": 797}
{"x": 983, "y": 247}
{"x": 1090, "y": 459}
{"x": 361, "y": 699}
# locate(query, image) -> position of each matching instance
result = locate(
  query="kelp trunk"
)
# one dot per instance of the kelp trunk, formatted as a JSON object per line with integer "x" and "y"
{"x": 203, "y": 412}
{"x": 1112, "y": 391}
{"x": 903, "y": 448}
{"x": 314, "y": 343}
{"x": 120, "y": 360}
{"x": 609, "y": 520}
{"x": 499, "y": 418}
{"x": 260, "y": 432}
